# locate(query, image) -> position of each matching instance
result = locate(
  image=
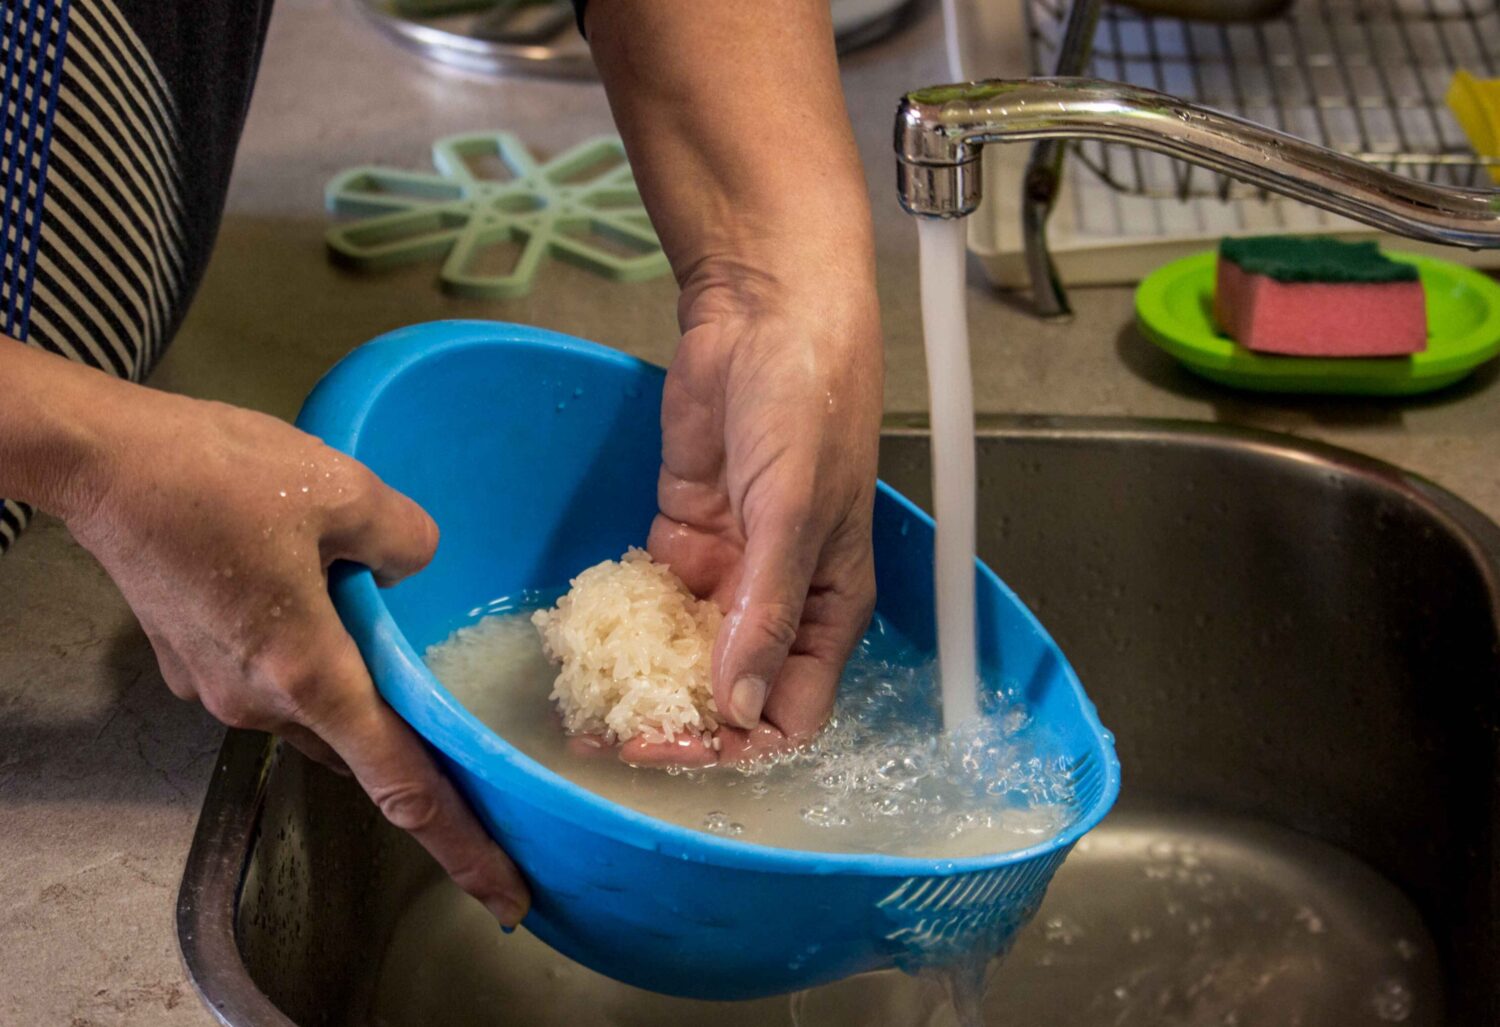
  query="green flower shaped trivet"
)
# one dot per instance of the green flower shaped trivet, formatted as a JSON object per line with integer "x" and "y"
{"x": 491, "y": 231}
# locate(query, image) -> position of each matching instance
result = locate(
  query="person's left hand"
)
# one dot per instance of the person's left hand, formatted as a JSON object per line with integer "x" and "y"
{"x": 770, "y": 434}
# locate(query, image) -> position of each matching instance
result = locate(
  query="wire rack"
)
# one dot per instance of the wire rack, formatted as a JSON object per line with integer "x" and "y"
{"x": 1365, "y": 77}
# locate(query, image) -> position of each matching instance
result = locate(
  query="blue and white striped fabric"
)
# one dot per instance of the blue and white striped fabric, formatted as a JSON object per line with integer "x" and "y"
{"x": 35, "y": 39}
{"x": 97, "y": 263}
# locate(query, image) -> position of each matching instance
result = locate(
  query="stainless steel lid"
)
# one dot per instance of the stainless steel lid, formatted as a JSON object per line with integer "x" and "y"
{"x": 538, "y": 37}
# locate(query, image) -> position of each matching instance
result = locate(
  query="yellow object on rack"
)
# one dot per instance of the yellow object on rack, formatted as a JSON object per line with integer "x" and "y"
{"x": 1476, "y": 104}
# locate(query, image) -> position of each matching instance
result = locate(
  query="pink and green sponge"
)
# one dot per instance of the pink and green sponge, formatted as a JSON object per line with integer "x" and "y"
{"x": 1318, "y": 297}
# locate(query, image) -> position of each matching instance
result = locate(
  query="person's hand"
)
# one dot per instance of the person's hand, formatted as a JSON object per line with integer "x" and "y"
{"x": 771, "y": 415}
{"x": 219, "y": 525}
{"x": 770, "y": 432}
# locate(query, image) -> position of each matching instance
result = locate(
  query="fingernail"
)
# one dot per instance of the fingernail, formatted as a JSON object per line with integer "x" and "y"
{"x": 508, "y": 911}
{"x": 746, "y": 699}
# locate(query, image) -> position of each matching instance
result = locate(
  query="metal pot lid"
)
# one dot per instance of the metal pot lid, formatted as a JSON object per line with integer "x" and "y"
{"x": 538, "y": 37}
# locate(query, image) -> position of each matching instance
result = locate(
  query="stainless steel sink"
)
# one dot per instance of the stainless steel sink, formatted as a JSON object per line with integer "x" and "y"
{"x": 1299, "y": 651}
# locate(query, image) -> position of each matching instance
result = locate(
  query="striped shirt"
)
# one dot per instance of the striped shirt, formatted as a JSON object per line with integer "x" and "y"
{"x": 118, "y": 123}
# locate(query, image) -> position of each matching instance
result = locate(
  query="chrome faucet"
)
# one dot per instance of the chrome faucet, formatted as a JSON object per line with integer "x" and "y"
{"x": 941, "y": 133}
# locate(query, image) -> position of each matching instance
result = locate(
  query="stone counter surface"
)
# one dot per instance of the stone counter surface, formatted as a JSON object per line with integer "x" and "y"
{"x": 102, "y": 771}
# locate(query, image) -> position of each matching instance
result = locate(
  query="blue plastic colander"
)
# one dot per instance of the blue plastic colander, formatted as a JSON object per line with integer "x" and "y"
{"x": 537, "y": 454}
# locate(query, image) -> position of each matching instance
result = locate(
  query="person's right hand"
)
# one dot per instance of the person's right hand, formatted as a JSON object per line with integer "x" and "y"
{"x": 219, "y": 525}
{"x": 770, "y": 440}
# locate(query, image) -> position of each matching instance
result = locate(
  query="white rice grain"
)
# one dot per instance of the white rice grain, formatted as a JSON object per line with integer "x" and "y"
{"x": 635, "y": 649}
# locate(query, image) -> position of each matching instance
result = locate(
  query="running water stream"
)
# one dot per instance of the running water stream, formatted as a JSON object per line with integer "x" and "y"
{"x": 950, "y": 401}
{"x": 950, "y": 391}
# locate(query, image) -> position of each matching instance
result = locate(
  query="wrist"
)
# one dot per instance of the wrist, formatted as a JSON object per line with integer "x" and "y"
{"x": 827, "y": 282}
{"x": 53, "y": 442}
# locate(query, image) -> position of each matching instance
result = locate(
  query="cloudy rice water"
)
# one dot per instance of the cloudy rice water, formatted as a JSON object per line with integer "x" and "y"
{"x": 882, "y": 777}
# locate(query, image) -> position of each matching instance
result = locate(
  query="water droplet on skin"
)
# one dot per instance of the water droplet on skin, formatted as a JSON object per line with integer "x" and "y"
{"x": 282, "y": 493}
{"x": 1308, "y": 918}
{"x": 306, "y": 488}
{"x": 1392, "y": 1001}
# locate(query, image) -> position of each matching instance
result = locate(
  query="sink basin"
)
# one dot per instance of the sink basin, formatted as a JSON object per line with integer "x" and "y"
{"x": 1298, "y": 650}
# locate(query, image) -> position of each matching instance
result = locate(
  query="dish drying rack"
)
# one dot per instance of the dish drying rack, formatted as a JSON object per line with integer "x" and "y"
{"x": 1365, "y": 77}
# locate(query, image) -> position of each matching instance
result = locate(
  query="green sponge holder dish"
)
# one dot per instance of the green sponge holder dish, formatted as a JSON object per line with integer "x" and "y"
{"x": 493, "y": 231}
{"x": 1174, "y": 309}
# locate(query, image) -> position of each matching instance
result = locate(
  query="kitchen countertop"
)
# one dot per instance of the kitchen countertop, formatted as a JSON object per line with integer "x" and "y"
{"x": 102, "y": 771}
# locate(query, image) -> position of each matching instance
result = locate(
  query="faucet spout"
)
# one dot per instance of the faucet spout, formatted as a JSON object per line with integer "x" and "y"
{"x": 941, "y": 133}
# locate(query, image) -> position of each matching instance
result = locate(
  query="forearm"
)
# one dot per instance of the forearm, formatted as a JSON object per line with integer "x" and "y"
{"x": 51, "y": 411}
{"x": 734, "y": 120}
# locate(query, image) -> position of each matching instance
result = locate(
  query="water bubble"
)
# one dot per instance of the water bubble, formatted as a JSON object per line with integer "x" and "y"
{"x": 718, "y": 822}
{"x": 822, "y": 815}
{"x": 1061, "y": 930}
